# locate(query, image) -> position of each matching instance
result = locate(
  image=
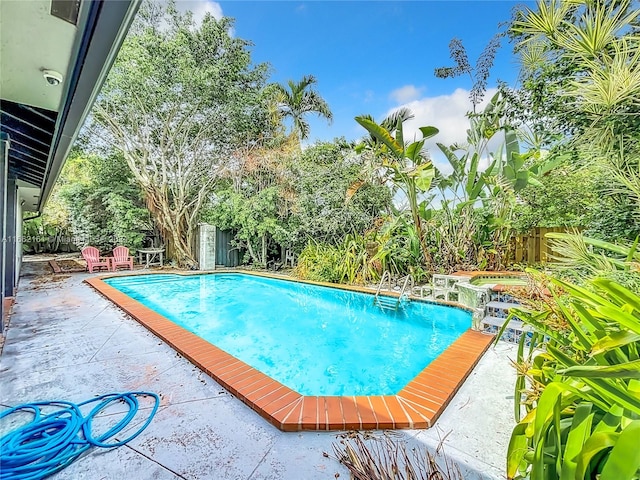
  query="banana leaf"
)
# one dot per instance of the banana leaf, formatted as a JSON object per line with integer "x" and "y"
{"x": 624, "y": 459}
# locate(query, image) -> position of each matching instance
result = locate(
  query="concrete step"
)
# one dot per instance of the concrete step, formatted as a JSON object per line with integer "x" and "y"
{"x": 502, "y": 305}
{"x": 499, "y": 322}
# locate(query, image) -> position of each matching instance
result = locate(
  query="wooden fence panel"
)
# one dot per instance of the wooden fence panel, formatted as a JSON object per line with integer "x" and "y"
{"x": 533, "y": 246}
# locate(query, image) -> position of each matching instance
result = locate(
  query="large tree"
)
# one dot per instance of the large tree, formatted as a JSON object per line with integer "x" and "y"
{"x": 180, "y": 101}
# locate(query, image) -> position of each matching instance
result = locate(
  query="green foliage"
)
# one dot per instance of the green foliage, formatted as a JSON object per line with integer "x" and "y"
{"x": 348, "y": 262}
{"x": 581, "y": 71}
{"x": 406, "y": 165}
{"x": 104, "y": 204}
{"x": 580, "y": 77}
{"x": 253, "y": 218}
{"x": 320, "y": 262}
{"x": 51, "y": 232}
{"x": 583, "y": 406}
{"x": 579, "y": 257}
{"x": 566, "y": 197}
{"x": 397, "y": 247}
{"x": 288, "y": 197}
{"x": 473, "y": 226}
{"x": 41, "y": 235}
{"x": 320, "y": 176}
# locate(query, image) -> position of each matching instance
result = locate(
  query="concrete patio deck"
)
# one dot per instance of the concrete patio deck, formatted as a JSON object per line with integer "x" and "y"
{"x": 66, "y": 342}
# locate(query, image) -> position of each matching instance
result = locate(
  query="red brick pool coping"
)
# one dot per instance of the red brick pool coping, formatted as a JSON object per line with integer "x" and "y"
{"x": 417, "y": 405}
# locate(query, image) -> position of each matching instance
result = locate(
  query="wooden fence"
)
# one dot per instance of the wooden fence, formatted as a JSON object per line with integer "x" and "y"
{"x": 534, "y": 247}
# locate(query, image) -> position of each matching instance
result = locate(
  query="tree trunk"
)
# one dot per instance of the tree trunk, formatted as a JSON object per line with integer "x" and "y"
{"x": 174, "y": 227}
{"x": 252, "y": 253}
{"x": 264, "y": 249}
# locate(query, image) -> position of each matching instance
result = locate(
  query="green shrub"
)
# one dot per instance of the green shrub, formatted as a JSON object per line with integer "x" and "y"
{"x": 349, "y": 262}
{"x": 319, "y": 262}
{"x": 582, "y": 393}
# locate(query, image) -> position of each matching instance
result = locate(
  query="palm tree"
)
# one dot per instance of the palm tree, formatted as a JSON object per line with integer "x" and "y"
{"x": 299, "y": 99}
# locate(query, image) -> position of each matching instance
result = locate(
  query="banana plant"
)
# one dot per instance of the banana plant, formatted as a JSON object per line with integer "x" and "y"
{"x": 582, "y": 416}
{"x": 469, "y": 186}
{"x": 406, "y": 165}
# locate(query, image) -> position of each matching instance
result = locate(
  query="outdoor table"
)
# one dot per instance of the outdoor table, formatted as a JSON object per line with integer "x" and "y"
{"x": 150, "y": 255}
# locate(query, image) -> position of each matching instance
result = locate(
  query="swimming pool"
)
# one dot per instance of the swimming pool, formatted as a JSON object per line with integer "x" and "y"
{"x": 416, "y": 405}
{"x": 314, "y": 339}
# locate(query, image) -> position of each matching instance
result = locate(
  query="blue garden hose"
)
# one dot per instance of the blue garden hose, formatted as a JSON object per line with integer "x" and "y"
{"x": 50, "y": 442}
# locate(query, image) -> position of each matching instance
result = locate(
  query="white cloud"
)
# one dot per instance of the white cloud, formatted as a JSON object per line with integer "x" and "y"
{"x": 200, "y": 8}
{"x": 405, "y": 94}
{"x": 445, "y": 112}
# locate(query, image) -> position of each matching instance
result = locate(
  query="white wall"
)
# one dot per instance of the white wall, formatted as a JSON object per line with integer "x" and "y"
{"x": 18, "y": 236}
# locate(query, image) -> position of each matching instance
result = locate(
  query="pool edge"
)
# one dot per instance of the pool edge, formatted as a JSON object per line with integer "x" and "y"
{"x": 417, "y": 405}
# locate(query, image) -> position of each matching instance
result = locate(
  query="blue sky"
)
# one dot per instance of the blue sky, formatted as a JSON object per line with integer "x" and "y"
{"x": 373, "y": 56}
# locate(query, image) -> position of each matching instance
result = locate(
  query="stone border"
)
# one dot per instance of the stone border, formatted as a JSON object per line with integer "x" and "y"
{"x": 418, "y": 405}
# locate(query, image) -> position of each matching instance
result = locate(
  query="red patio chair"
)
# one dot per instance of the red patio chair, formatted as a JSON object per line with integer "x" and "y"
{"x": 94, "y": 260}
{"x": 121, "y": 257}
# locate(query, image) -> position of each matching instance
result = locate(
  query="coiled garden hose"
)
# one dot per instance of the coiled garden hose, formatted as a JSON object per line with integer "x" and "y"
{"x": 52, "y": 441}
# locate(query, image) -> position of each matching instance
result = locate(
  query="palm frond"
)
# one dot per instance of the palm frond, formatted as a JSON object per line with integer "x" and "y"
{"x": 402, "y": 114}
{"x": 544, "y": 21}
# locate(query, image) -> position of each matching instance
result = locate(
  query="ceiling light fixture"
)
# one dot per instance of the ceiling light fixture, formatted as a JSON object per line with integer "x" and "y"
{"x": 52, "y": 77}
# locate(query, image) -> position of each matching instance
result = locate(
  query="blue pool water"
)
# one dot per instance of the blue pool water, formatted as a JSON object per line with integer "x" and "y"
{"x": 315, "y": 340}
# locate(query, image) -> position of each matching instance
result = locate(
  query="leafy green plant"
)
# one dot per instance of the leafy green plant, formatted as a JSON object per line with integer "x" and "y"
{"x": 347, "y": 262}
{"x": 577, "y": 255}
{"x": 104, "y": 206}
{"x": 404, "y": 164}
{"x": 475, "y": 221}
{"x": 582, "y": 403}
{"x": 320, "y": 262}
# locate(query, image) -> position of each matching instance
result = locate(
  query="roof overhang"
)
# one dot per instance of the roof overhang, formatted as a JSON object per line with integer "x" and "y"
{"x": 43, "y": 120}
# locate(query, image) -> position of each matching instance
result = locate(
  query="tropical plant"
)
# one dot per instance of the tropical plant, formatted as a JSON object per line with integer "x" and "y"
{"x": 583, "y": 59}
{"x": 320, "y": 262}
{"x": 406, "y": 165}
{"x": 479, "y": 74}
{"x": 348, "y": 262}
{"x": 476, "y": 215}
{"x": 396, "y": 246}
{"x": 41, "y": 236}
{"x": 297, "y": 100}
{"x": 581, "y": 394}
{"x": 580, "y": 77}
{"x": 578, "y": 257}
{"x": 50, "y": 232}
